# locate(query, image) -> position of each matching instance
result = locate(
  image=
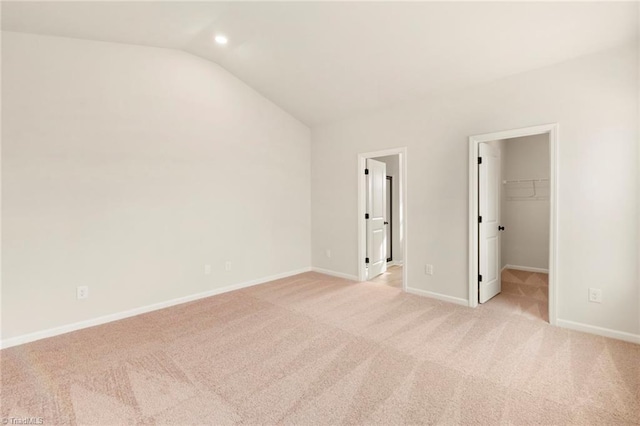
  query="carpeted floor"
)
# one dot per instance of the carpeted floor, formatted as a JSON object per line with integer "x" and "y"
{"x": 393, "y": 277}
{"x": 523, "y": 293}
{"x": 313, "y": 349}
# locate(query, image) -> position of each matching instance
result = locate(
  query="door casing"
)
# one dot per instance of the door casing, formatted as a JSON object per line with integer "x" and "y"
{"x": 362, "y": 234}
{"x": 474, "y": 141}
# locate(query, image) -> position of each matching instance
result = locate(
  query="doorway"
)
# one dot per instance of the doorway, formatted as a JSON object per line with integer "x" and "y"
{"x": 512, "y": 219}
{"x": 382, "y": 225}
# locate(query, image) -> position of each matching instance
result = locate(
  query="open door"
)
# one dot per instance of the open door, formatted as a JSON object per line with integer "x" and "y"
{"x": 488, "y": 222}
{"x": 375, "y": 218}
{"x": 389, "y": 220}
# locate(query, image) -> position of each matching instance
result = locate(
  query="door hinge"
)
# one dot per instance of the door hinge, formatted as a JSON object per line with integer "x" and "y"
{"x": 480, "y": 278}
{"x": 366, "y": 171}
{"x": 366, "y": 215}
{"x": 479, "y": 160}
{"x": 479, "y": 219}
{"x": 366, "y": 260}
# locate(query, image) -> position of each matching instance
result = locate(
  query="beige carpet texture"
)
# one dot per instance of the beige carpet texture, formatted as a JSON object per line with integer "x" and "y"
{"x": 317, "y": 350}
{"x": 392, "y": 277}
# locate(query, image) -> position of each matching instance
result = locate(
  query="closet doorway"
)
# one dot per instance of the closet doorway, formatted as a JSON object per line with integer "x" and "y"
{"x": 513, "y": 221}
{"x": 382, "y": 227}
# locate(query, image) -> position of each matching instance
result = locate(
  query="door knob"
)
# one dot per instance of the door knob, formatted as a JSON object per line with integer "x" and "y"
{"x": 386, "y": 223}
{"x": 500, "y": 228}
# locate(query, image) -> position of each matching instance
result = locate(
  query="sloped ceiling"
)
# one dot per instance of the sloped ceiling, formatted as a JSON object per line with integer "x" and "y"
{"x": 324, "y": 61}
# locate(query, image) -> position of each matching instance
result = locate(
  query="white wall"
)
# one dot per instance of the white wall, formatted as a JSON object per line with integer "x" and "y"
{"x": 393, "y": 170}
{"x": 594, "y": 100}
{"x": 129, "y": 168}
{"x": 525, "y": 240}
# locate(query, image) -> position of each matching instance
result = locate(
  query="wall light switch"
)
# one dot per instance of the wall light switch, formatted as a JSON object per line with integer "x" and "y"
{"x": 428, "y": 269}
{"x": 227, "y": 265}
{"x": 207, "y": 269}
{"x": 328, "y": 253}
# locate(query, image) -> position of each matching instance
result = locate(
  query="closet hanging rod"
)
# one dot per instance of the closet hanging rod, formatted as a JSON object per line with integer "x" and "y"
{"x": 525, "y": 180}
{"x": 533, "y": 198}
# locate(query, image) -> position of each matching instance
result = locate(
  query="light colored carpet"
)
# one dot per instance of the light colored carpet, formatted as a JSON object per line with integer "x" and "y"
{"x": 312, "y": 349}
{"x": 393, "y": 277}
{"x": 523, "y": 293}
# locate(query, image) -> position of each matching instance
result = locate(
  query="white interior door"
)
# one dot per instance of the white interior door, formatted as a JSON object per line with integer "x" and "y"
{"x": 489, "y": 211}
{"x": 375, "y": 218}
{"x": 389, "y": 217}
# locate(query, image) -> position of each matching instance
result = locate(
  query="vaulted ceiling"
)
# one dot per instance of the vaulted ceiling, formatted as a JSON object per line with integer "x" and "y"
{"x": 323, "y": 61}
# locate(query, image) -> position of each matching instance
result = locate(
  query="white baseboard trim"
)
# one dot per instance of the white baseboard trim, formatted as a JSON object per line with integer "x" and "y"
{"x": 38, "y": 335}
{"x": 600, "y": 331}
{"x": 334, "y": 273}
{"x": 526, "y": 268}
{"x": 443, "y": 297}
{"x": 395, "y": 263}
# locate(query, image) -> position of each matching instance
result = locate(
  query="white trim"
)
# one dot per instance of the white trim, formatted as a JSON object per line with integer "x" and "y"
{"x": 362, "y": 234}
{"x": 443, "y": 297}
{"x": 395, "y": 263}
{"x": 474, "y": 141}
{"x": 526, "y": 268}
{"x": 31, "y": 337}
{"x": 335, "y": 273}
{"x": 600, "y": 331}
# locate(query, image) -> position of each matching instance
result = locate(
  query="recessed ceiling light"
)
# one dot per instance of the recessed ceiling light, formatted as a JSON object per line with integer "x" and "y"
{"x": 220, "y": 39}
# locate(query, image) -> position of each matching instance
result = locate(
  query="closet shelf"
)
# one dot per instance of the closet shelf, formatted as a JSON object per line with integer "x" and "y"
{"x": 528, "y": 198}
{"x": 527, "y": 189}
{"x": 525, "y": 180}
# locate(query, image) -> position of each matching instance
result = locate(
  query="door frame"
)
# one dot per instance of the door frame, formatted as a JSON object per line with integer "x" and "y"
{"x": 362, "y": 201}
{"x": 474, "y": 141}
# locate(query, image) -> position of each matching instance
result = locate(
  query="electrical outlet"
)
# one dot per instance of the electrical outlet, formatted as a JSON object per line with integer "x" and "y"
{"x": 207, "y": 269}
{"x": 428, "y": 269}
{"x": 595, "y": 295}
{"x": 227, "y": 265}
{"x": 328, "y": 253}
{"x": 82, "y": 292}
